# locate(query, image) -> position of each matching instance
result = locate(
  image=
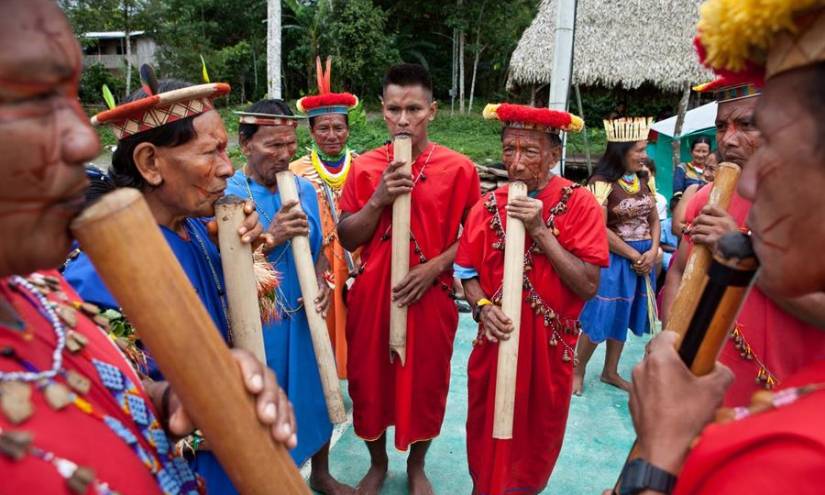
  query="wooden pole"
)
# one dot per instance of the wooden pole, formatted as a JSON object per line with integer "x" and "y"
{"x": 511, "y": 299}
{"x": 239, "y": 277}
{"x": 402, "y": 151}
{"x": 695, "y": 277}
{"x": 677, "y": 130}
{"x": 121, "y": 237}
{"x": 309, "y": 291}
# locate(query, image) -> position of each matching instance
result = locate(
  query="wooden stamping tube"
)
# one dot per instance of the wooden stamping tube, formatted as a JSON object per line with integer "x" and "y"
{"x": 122, "y": 238}
{"x": 695, "y": 277}
{"x": 309, "y": 291}
{"x": 400, "y": 267}
{"x": 239, "y": 275}
{"x": 511, "y": 299}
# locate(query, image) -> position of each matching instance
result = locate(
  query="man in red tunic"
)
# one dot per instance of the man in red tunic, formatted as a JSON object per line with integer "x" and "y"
{"x": 777, "y": 444}
{"x": 566, "y": 247}
{"x": 443, "y": 186}
{"x": 74, "y": 415}
{"x": 761, "y": 352}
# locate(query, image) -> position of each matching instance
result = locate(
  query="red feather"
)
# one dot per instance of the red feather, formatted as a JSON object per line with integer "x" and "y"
{"x": 319, "y": 74}
{"x": 328, "y": 78}
{"x": 508, "y": 112}
{"x": 752, "y": 73}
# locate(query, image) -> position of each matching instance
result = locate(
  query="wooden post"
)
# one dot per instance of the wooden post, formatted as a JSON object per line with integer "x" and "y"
{"x": 119, "y": 234}
{"x": 309, "y": 291}
{"x": 239, "y": 277}
{"x": 511, "y": 299}
{"x": 677, "y": 129}
{"x": 584, "y": 132}
{"x": 695, "y": 276}
{"x": 402, "y": 151}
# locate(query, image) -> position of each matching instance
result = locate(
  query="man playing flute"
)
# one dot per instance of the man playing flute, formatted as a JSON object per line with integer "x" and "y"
{"x": 565, "y": 249}
{"x": 443, "y": 186}
{"x": 74, "y": 415}
{"x": 777, "y": 443}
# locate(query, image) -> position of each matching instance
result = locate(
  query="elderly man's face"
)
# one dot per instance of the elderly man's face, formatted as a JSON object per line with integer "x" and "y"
{"x": 269, "y": 151}
{"x": 330, "y": 132}
{"x": 189, "y": 178}
{"x": 45, "y": 138}
{"x": 528, "y": 156}
{"x": 736, "y": 134}
{"x": 785, "y": 180}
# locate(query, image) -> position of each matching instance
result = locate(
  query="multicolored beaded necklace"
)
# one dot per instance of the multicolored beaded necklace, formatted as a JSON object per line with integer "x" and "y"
{"x": 171, "y": 473}
{"x": 694, "y": 171}
{"x": 764, "y": 401}
{"x": 630, "y": 183}
{"x": 331, "y": 170}
{"x": 532, "y": 297}
{"x": 764, "y": 377}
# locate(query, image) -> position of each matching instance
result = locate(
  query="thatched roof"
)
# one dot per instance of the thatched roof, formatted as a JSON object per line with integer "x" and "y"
{"x": 625, "y": 42}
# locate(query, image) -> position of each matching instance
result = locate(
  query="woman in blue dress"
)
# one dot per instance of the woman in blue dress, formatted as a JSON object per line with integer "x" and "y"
{"x": 268, "y": 141}
{"x": 633, "y": 232}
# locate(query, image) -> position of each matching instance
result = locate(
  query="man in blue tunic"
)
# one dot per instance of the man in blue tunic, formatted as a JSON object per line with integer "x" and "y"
{"x": 268, "y": 141}
{"x": 180, "y": 165}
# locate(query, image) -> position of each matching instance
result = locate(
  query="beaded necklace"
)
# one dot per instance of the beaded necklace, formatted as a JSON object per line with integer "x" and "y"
{"x": 193, "y": 233}
{"x": 323, "y": 164}
{"x": 764, "y": 377}
{"x": 693, "y": 171}
{"x": 532, "y": 297}
{"x": 764, "y": 401}
{"x": 630, "y": 183}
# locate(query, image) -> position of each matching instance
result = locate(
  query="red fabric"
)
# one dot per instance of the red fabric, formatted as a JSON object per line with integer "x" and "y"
{"x": 328, "y": 100}
{"x": 544, "y": 380}
{"x": 412, "y": 397}
{"x": 70, "y": 433}
{"x": 782, "y": 342}
{"x": 776, "y": 452}
{"x": 508, "y": 112}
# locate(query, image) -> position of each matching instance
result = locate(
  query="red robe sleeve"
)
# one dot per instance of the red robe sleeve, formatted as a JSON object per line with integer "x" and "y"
{"x": 582, "y": 230}
{"x": 358, "y": 188}
{"x": 471, "y": 245}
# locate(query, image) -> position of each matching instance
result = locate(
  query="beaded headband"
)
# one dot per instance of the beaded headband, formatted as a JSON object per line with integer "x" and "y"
{"x": 268, "y": 119}
{"x": 625, "y": 130}
{"x": 326, "y": 102}
{"x": 726, "y": 89}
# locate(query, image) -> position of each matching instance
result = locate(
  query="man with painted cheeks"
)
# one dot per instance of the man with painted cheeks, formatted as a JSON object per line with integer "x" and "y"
{"x": 443, "y": 185}
{"x": 565, "y": 248}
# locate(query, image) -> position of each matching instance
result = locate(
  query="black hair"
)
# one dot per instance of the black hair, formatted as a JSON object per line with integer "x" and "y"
{"x": 271, "y": 107}
{"x": 124, "y": 172}
{"x": 611, "y": 165}
{"x": 312, "y": 120}
{"x": 674, "y": 201}
{"x": 651, "y": 165}
{"x": 816, "y": 101}
{"x": 100, "y": 183}
{"x": 408, "y": 75}
{"x": 700, "y": 140}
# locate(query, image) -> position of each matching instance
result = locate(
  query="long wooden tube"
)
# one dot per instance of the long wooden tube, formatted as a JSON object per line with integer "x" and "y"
{"x": 400, "y": 267}
{"x": 309, "y": 291}
{"x": 239, "y": 278}
{"x": 695, "y": 277}
{"x": 511, "y": 300}
{"x": 121, "y": 237}
{"x": 729, "y": 276}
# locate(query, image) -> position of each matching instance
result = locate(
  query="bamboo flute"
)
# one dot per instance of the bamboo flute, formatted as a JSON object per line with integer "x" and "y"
{"x": 400, "y": 267}
{"x": 122, "y": 238}
{"x": 309, "y": 291}
{"x": 695, "y": 276}
{"x": 239, "y": 278}
{"x": 511, "y": 299}
{"x": 729, "y": 277}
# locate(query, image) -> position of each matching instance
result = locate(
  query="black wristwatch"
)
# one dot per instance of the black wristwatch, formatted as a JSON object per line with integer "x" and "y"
{"x": 639, "y": 475}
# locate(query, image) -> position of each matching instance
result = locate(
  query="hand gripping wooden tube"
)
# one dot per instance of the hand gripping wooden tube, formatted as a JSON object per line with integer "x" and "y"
{"x": 400, "y": 267}
{"x": 511, "y": 299}
{"x": 309, "y": 291}
{"x": 122, "y": 238}
{"x": 239, "y": 278}
{"x": 695, "y": 276}
{"x": 729, "y": 279}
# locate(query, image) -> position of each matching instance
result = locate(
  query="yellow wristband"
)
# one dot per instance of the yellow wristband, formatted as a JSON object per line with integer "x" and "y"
{"x": 480, "y": 304}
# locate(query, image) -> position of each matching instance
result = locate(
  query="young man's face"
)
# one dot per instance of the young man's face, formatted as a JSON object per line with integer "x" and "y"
{"x": 408, "y": 111}
{"x": 785, "y": 180}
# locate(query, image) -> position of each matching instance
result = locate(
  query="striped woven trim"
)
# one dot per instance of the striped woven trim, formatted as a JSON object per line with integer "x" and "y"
{"x": 159, "y": 116}
{"x": 267, "y": 121}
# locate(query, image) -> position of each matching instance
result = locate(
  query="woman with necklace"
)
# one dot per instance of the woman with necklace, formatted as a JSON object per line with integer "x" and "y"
{"x": 692, "y": 172}
{"x": 633, "y": 233}
{"x": 74, "y": 415}
{"x": 326, "y": 167}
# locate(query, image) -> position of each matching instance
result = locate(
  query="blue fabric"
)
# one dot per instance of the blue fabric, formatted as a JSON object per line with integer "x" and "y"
{"x": 83, "y": 277}
{"x": 621, "y": 301}
{"x": 681, "y": 181}
{"x": 464, "y": 273}
{"x": 288, "y": 343}
{"x": 669, "y": 238}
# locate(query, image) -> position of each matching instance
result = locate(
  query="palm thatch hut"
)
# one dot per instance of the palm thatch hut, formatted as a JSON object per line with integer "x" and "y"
{"x": 616, "y": 43}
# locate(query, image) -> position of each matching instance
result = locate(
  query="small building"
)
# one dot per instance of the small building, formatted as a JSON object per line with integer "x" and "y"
{"x": 108, "y": 48}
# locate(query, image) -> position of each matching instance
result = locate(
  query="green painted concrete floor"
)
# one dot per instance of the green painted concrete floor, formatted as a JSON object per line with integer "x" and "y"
{"x": 599, "y": 434}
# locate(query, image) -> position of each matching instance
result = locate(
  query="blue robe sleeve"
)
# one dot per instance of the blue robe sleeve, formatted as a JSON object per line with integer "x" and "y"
{"x": 309, "y": 203}
{"x": 679, "y": 179}
{"x": 82, "y": 276}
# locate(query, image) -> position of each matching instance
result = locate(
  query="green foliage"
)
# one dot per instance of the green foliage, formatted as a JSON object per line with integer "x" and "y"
{"x": 92, "y": 80}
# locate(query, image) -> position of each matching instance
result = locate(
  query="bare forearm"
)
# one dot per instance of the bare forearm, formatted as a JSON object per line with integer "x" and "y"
{"x": 673, "y": 280}
{"x": 580, "y": 277}
{"x": 356, "y": 229}
{"x": 655, "y": 230}
{"x": 473, "y": 291}
{"x": 444, "y": 261}
{"x": 618, "y": 246}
